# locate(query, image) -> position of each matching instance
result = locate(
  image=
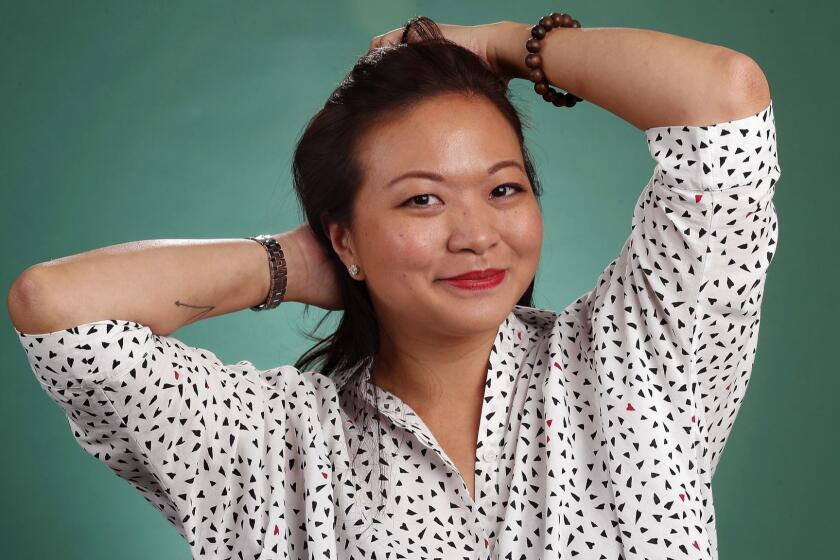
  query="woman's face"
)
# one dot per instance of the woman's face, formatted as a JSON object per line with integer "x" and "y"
{"x": 473, "y": 208}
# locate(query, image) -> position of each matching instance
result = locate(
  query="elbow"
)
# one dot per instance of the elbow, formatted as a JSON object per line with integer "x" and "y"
{"x": 750, "y": 89}
{"x": 22, "y": 294}
{"x": 27, "y": 303}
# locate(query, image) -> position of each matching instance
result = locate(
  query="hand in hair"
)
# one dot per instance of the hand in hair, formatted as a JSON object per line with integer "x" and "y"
{"x": 480, "y": 39}
{"x": 319, "y": 287}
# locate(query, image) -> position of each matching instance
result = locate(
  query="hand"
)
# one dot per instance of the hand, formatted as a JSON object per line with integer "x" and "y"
{"x": 314, "y": 275}
{"x": 489, "y": 41}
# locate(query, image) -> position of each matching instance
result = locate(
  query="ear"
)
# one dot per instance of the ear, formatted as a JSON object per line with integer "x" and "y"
{"x": 342, "y": 243}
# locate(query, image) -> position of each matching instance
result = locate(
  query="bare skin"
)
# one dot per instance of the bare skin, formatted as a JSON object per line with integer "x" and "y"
{"x": 647, "y": 78}
{"x": 164, "y": 283}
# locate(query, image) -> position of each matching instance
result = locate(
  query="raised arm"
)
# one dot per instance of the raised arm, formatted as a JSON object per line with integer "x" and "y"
{"x": 675, "y": 317}
{"x": 648, "y": 78}
{"x": 164, "y": 284}
{"x": 705, "y": 229}
{"x": 193, "y": 435}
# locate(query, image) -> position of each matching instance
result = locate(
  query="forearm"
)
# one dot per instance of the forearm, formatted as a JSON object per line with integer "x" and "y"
{"x": 646, "y": 77}
{"x": 164, "y": 284}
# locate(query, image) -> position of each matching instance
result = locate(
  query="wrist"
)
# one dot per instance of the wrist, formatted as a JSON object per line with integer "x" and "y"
{"x": 295, "y": 271}
{"x": 509, "y": 49}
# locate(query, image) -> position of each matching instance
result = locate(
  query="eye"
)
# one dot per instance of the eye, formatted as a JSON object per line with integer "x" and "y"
{"x": 420, "y": 200}
{"x": 516, "y": 188}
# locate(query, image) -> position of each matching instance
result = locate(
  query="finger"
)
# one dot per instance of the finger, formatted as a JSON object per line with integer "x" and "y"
{"x": 379, "y": 41}
{"x": 389, "y": 39}
{"x": 394, "y": 36}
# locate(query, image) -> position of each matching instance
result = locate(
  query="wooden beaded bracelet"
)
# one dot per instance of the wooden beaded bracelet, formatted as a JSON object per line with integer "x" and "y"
{"x": 534, "y": 61}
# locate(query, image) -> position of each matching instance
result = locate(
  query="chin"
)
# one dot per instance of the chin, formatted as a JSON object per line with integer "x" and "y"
{"x": 471, "y": 315}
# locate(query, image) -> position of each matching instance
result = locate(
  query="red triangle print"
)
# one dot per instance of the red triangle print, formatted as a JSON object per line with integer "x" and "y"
{"x": 695, "y": 545}
{"x": 682, "y": 496}
{"x": 276, "y": 530}
{"x": 557, "y": 365}
{"x": 325, "y": 475}
{"x": 630, "y": 407}
{"x": 697, "y": 197}
{"x": 548, "y": 422}
{"x": 177, "y": 375}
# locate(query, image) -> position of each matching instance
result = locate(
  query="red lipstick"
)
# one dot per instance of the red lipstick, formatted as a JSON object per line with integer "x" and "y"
{"x": 477, "y": 279}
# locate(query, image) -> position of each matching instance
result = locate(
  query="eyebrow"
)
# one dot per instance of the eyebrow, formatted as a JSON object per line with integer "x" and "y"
{"x": 439, "y": 178}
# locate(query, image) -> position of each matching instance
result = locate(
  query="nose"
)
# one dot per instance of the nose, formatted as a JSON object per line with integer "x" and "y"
{"x": 473, "y": 228}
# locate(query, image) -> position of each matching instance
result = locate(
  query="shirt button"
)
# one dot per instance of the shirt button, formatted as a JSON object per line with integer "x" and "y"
{"x": 490, "y": 456}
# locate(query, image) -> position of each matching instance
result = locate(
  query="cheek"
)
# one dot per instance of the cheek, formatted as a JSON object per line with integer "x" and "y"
{"x": 398, "y": 249}
{"x": 526, "y": 231}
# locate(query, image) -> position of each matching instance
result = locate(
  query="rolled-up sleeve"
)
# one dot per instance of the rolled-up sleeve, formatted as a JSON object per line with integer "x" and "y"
{"x": 710, "y": 232}
{"x": 691, "y": 274}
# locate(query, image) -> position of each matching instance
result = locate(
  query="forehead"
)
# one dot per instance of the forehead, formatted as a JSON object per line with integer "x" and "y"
{"x": 450, "y": 134}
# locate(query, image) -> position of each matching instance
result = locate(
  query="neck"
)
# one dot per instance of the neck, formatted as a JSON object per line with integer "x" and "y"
{"x": 430, "y": 372}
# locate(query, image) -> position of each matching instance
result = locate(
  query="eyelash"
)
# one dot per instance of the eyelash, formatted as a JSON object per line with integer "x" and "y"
{"x": 516, "y": 188}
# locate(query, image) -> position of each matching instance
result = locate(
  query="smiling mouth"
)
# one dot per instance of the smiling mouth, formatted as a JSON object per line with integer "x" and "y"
{"x": 477, "y": 274}
{"x": 477, "y": 280}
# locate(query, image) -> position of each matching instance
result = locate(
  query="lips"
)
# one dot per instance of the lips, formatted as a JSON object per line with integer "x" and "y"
{"x": 477, "y": 274}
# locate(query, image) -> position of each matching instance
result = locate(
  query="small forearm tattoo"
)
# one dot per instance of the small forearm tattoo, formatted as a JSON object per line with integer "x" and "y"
{"x": 196, "y": 317}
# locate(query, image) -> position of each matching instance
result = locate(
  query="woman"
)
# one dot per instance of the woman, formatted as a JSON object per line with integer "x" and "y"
{"x": 446, "y": 417}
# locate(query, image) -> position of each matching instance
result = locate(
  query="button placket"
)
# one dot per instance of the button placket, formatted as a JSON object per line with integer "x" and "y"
{"x": 501, "y": 382}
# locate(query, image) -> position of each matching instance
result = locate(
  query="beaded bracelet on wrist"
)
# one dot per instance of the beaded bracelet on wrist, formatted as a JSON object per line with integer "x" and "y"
{"x": 534, "y": 61}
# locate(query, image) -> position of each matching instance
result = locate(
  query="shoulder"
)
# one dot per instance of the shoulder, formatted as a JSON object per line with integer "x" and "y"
{"x": 542, "y": 320}
{"x": 293, "y": 381}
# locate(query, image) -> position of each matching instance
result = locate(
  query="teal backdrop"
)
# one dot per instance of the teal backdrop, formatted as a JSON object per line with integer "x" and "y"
{"x": 140, "y": 120}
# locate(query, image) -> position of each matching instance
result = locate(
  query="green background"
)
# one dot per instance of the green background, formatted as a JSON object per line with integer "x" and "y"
{"x": 140, "y": 120}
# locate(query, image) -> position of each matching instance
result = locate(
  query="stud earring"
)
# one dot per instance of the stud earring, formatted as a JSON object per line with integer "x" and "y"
{"x": 353, "y": 269}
